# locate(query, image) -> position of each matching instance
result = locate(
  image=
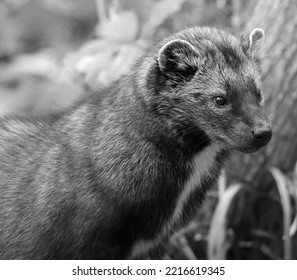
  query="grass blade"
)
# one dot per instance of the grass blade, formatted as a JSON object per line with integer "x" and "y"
{"x": 293, "y": 190}
{"x": 281, "y": 182}
{"x": 218, "y": 242}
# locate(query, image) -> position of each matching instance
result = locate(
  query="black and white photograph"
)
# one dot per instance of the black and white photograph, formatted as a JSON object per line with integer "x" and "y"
{"x": 148, "y": 130}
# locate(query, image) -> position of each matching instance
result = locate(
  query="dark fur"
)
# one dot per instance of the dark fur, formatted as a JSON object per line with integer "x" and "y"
{"x": 90, "y": 183}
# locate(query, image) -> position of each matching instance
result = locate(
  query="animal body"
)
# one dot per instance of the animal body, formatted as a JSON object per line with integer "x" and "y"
{"x": 117, "y": 174}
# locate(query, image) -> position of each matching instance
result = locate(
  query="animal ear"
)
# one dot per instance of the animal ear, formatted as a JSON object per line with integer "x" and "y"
{"x": 178, "y": 60}
{"x": 256, "y": 40}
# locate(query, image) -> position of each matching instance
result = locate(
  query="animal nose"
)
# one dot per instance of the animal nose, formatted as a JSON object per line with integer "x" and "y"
{"x": 263, "y": 133}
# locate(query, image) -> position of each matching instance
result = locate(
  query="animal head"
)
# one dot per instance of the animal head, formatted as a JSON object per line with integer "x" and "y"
{"x": 211, "y": 79}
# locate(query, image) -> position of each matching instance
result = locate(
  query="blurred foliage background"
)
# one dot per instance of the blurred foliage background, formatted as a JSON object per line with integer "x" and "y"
{"x": 50, "y": 50}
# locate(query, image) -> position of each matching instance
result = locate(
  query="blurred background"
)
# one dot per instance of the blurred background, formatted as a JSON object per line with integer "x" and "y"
{"x": 51, "y": 49}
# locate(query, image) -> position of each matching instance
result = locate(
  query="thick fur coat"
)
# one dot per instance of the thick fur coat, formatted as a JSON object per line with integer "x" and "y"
{"x": 118, "y": 173}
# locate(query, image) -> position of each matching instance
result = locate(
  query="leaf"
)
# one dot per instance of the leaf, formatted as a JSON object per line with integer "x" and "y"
{"x": 103, "y": 68}
{"x": 97, "y": 46}
{"x": 121, "y": 27}
{"x": 124, "y": 60}
{"x": 185, "y": 247}
{"x": 94, "y": 66}
{"x": 219, "y": 237}
{"x": 293, "y": 191}
{"x": 91, "y": 58}
{"x": 281, "y": 182}
{"x": 160, "y": 12}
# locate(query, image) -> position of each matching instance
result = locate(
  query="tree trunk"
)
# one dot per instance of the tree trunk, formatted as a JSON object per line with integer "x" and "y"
{"x": 278, "y": 19}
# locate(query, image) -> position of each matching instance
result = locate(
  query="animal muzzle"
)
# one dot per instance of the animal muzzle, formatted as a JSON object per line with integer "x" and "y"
{"x": 252, "y": 139}
{"x": 262, "y": 135}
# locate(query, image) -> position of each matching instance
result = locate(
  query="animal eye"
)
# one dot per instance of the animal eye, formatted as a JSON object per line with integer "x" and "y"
{"x": 220, "y": 101}
{"x": 259, "y": 96}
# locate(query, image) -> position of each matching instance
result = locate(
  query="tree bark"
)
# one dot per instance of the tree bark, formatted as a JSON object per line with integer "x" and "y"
{"x": 278, "y": 19}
